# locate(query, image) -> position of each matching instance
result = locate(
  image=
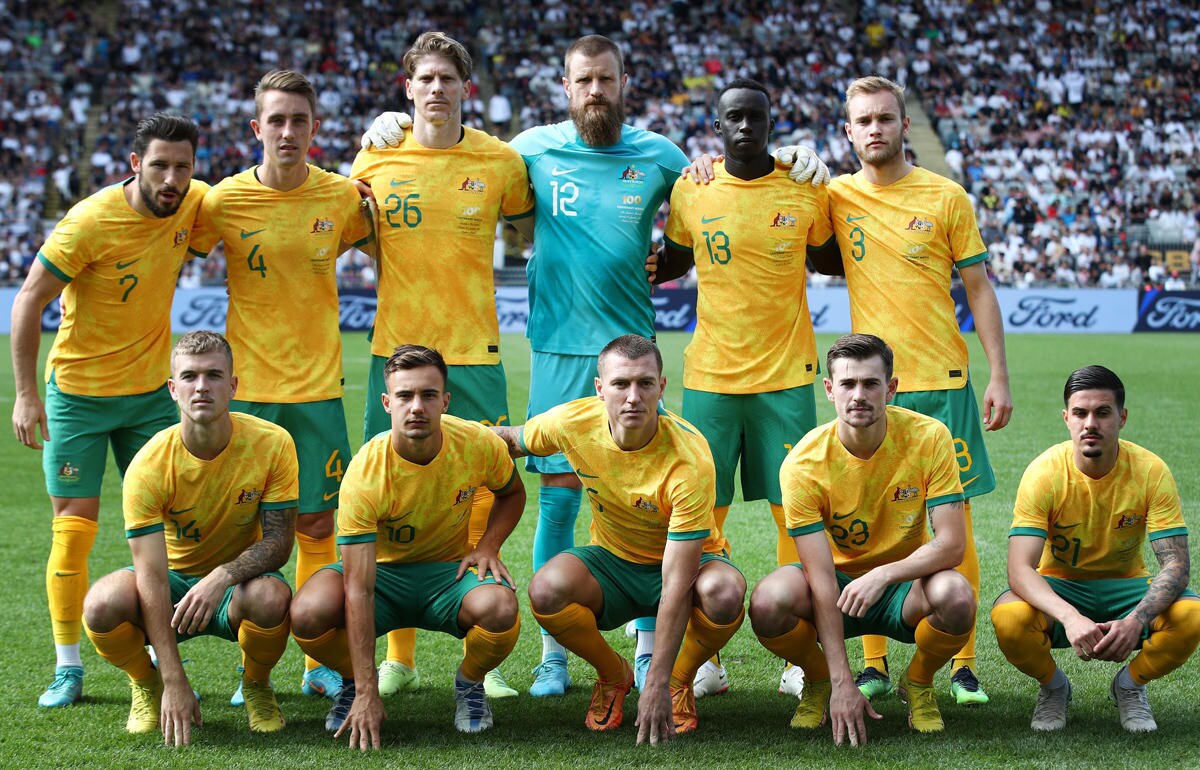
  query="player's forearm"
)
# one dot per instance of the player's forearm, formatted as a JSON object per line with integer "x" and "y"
{"x": 1027, "y": 583}
{"x": 673, "y": 263}
{"x": 1168, "y": 584}
{"x": 989, "y": 324}
{"x": 26, "y": 340}
{"x": 826, "y": 259}
{"x": 360, "y": 633}
{"x": 512, "y": 437}
{"x": 269, "y": 553}
{"x": 505, "y": 514}
{"x": 154, "y": 595}
{"x": 681, "y": 562}
{"x": 828, "y": 620}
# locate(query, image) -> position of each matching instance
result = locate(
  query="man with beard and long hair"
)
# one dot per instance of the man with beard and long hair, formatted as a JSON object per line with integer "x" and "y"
{"x": 115, "y": 258}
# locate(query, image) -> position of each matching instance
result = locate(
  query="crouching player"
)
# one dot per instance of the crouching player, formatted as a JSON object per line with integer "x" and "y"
{"x": 858, "y": 494}
{"x": 1084, "y": 510}
{"x": 402, "y": 528}
{"x": 655, "y": 549}
{"x": 210, "y": 513}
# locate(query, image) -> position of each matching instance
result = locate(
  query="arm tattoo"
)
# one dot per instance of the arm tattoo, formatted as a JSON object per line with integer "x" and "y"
{"x": 270, "y": 553}
{"x": 512, "y": 436}
{"x": 1172, "y": 578}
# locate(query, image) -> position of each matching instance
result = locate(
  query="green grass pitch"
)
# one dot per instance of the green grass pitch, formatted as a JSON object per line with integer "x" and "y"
{"x": 746, "y": 727}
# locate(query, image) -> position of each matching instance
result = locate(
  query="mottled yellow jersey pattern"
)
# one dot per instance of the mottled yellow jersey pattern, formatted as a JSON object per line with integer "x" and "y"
{"x": 640, "y": 499}
{"x": 210, "y": 510}
{"x": 1096, "y": 528}
{"x": 899, "y": 243}
{"x": 420, "y": 513}
{"x": 754, "y": 332}
{"x": 873, "y": 511}
{"x": 115, "y": 336}
{"x": 437, "y": 226}
{"x": 280, "y": 254}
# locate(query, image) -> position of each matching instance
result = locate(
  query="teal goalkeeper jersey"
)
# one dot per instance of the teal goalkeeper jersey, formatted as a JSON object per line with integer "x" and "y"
{"x": 595, "y": 213}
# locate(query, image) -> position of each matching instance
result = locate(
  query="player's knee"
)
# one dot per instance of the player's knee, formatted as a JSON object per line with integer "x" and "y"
{"x": 495, "y": 608}
{"x": 316, "y": 608}
{"x": 548, "y": 591}
{"x": 721, "y": 596}
{"x": 952, "y": 600}
{"x": 1184, "y": 616}
{"x": 266, "y": 601}
{"x": 317, "y": 526}
{"x": 1012, "y": 620}
{"x": 774, "y": 605}
{"x": 110, "y": 602}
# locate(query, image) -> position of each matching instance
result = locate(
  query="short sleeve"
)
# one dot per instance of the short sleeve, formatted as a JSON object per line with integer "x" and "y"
{"x": 359, "y": 501}
{"x": 542, "y": 434}
{"x": 966, "y": 244}
{"x": 143, "y": 500}
{"x": 942, "y": 484}
{"x": 821, "y": 229}
{"x": 677, "y": 231}
{"x": 517, "y": 201}
{"x": 282, "y": 485}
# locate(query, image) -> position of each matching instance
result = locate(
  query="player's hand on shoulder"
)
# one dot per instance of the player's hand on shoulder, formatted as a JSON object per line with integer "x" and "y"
{"x": 805, "y": 164}
{"x": 29, "y": 416}
{"x": 701, "y": 170}
{"x": 364, "y": 722}
{"x": 847, "y": 706}
{"x": 178, "y": 712}
{"x": 387, "y": 130}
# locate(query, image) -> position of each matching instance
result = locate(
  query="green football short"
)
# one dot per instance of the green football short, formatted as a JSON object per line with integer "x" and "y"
{"x": 556, "y": 378}
{"x": 477, "y": 393}
{"x": 958, "y": 411}
{"x": 219, "y": 625}
{"x": 758, "y": 428}
{"x": 322, "y": 448}
{"x": 422, "y": 595}
{"x": 885, "y": 617}
{"x": 1099, "y": 601}
{"x": 82, "y": 428}
{"x": 630, "y": 590}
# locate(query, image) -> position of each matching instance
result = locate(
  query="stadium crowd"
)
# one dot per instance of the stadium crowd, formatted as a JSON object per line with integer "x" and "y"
{"x": 1074, "y": 128}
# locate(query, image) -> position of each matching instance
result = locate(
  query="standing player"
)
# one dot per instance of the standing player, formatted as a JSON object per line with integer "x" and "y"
{"x": 1084, "y": 511}
{"x": 115, "y": 259}
{"x": 749, "y": 369}
{"x": 210, "y": 508}
{"x": 284, "y": 222}
{"x": 440, "y": 195}
{"x": 403, "y": 528}
{"x": 655, "y": 547}
{"x": 860, "y": 493}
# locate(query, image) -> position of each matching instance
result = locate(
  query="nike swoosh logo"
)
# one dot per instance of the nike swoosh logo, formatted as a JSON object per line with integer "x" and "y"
{"x": 329, "y": 496}
{"x": 561, "y": 171}
{"x": 607, "y": 714}
{"x": 395, "y": 519}
{"x": 180, "y": 512}
{"x": 65, "y": 574}
{"x": 127, "y": 265}
{"x": 855, "y": 219}
{"x": 401, "y": 182}
{"x": 844, "y": 515}
{"x": 583, "y": 475}
{"x": 970, "y": 481}
{"x": 706, "y": 220}
{"x": 246, "y": 235}
{"x": 1066, "y": 526}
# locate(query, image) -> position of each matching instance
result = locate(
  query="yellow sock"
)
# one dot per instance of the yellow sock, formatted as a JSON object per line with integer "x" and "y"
{"x": 1021, "y": 634}
{"x": 67, "y": 575}
{"x": 702, "y": 640}
{"x": 875, "y": 651}
{"x": 261, "y": 648}
{"x": 1173, "y": 638}
{"x": 312, "y": 553}
{"x": 799, "y": 646}
{"x": 934, "y": 649}
{"x": 481, "y": 510}
{"x": 575, "y": 628}
{"x": 970, "y": 570}
{"x": 785, "y": 546}
{"x": 331, "y": 648}
{"x": 125, "y": 648}
{"x": 402, "y": 646}
{"x": 483, "y": 650}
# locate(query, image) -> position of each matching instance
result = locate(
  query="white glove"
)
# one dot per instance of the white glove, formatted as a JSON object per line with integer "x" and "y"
{"x": 387, "y": 130}
{"x": 805, "y": 164}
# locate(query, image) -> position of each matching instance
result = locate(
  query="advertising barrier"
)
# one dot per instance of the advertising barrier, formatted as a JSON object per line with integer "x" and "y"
{"x": 1169, "y": 311}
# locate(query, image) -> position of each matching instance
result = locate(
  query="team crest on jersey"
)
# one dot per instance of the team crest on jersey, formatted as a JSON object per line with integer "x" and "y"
{"x": 633, "y": 174}
{"x": 472, "y": 185}
{"x": 464, "y": 494}
{"x": 783, "y": 220}
{"x": 68, "y": 473}
{"x": 903, "y": 493}
{"x": 919, "y": 224}
{"x": 181, "y": 237}
{"x": 645, "y": 505}
{"x": 247, "y": 496}
{"x": 321, "y": 225}
{"x": 1130, "y": 520}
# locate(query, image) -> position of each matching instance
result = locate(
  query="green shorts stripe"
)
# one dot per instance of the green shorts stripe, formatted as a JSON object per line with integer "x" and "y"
{"x": 84, "y": 426}
{"x": 630, "y": 590}
{"x": 959, "y": 411}
{"x": 219, "y": 625}
{"x": 478, "y": 393}
{"x": 322, "y": 448}
{"x": 556, "y": 378}
{"x": 425, "y": 595}
{"x": 757, "y": 429}
{"x": 1100, "y": 601}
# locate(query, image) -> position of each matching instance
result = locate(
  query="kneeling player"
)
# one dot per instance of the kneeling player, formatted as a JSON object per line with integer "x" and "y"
{"x": 858, "y": 493}
{"x": 655, "y": 548}
{"x": 1084, "y": 510}
{"x": 210, "y": 513}
{"x": 402, "y": 528}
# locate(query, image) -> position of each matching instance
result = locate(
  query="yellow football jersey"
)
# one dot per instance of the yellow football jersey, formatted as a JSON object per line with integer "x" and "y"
{"x": 754, "y": 332}
{"x": 899, "y": 243}
{"x": 873, "y": 511}
{"x": 121, "y": 269}
{"x": 1096, "y": 528}
{"x": 420, "y": 513}
{"x": 210, "y": 510}
{"x": 664, "y": 491}
{"x": 437, "y": 227}
{"x": 280, "y": 252}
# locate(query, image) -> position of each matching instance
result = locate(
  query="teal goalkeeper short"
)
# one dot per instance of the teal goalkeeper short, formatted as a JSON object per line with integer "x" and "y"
{"x": 556, "y": 378}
